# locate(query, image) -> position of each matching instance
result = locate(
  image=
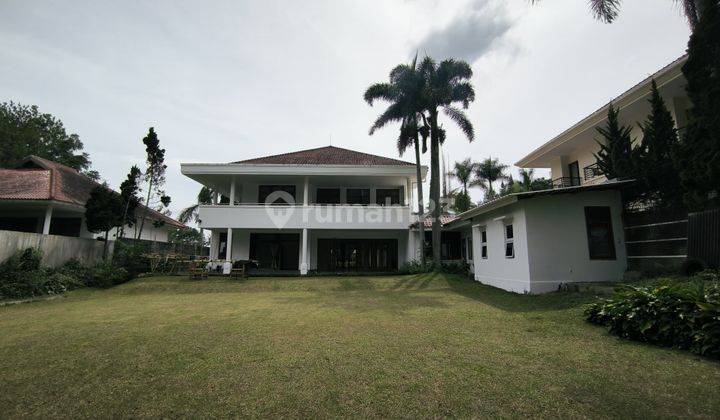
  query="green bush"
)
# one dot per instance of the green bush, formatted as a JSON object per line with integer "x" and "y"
{"x": 683, "y": 315}
{"x": 107, "y": 275}
{"x": 132, "y": 258}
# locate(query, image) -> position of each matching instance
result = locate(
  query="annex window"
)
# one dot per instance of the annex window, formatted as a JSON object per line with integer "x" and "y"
{"x": 600, "y": 234}
{"x": 358, "y": 196}
{"x": 483, "y": 244}
{"x": 264, "y": 192}
{"x": 328, "y": 196}
{"x": 387, "y": 196}
{"x": 509, "y": 241}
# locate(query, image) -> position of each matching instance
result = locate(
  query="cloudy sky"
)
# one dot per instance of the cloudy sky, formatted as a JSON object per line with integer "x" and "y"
{"x": 229, "y": 80}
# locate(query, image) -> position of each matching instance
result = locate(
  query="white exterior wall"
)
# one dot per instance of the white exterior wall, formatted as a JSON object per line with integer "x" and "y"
{"x": 512, "y": 274}
{"x": 558, "y": 242}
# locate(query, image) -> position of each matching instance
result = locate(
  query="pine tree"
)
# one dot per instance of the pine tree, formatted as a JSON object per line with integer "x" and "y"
{"x": 656, "y": 176}
{"x": 128, "y": 192}
{"x": 103, "y": 212}
{"x": 699, "y": 155}
{"x": 154, "y": 175}
{"x": 615, "y": 158}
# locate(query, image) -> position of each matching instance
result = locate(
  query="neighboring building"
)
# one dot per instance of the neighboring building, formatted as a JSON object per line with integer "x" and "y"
{"x": 327, "y": 209}
{"x": 571, "y": 155}
{"x": 42, "y": 196}
{"x": 535, "y": 241}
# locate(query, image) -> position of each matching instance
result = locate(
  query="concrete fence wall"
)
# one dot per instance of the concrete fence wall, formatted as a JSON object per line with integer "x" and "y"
{"x": 56, "y": 249}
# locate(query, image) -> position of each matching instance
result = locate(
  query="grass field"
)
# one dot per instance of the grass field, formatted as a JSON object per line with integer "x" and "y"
{"x": 403, "y": 346}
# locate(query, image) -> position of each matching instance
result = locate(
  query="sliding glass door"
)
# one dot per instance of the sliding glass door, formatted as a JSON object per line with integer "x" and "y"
{"x": 336, "y": 255}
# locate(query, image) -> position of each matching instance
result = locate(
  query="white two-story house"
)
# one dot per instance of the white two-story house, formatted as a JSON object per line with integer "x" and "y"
{"x": 320, "y": 210}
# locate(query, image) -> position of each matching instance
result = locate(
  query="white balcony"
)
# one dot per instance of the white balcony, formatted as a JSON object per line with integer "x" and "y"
{"x": 259, "y": 216}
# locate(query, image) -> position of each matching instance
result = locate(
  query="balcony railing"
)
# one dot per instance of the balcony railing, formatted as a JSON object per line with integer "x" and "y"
{"x": 566, "y": 182}
{"x": 592, "y": 171}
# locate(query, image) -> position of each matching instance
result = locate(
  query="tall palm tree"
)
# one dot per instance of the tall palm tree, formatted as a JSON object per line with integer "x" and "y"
{"x": 444, "y": 84}
{"x": 607, "y": 10}
{"x": 487, "y": 172}
{"x": 404, "y": 93}
{"x": 463, "y": 172}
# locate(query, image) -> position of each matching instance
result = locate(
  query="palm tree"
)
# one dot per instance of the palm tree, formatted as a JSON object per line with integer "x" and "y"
{"x": 463, "y": 172}
{"x": 487, "y": 172}
{"x": 607, "y": 10}
{"x": 444, "y": 84}
{"x": 191, "y": 214}
{"x": 404, "y": 93}
{"x": 526, "y": 178}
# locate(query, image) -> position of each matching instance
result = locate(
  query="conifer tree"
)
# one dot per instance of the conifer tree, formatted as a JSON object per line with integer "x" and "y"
{"x": 698, "y": 159}
{"x": 615, "y": 158}
{"x": 154, "y": 176}
{"x": 656, "y": 176}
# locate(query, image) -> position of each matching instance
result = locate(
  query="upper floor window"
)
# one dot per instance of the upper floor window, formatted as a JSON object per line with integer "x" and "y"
{"x": 387, "y": 196}
{"x": 265, "y": 190}
{"x": 358, "y": 196}
{"x": 600, "y": 233}
{"x": 574, "y": 172}
{"x": 509, "y": 241}
{"x": 328, "y": 196}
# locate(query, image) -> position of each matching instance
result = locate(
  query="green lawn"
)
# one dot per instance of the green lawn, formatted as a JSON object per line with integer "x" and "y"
{"x": 401, "y": 346}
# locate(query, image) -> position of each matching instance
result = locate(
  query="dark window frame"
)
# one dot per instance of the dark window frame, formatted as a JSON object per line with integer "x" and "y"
{"x": 353, "y": 202}
{"x": 328, "y": 202}
{"x": 593, "y": 220}
{"x": 509, "y": 240}
{"x": 384, "y": 191}
{"x": 264, "y": 190}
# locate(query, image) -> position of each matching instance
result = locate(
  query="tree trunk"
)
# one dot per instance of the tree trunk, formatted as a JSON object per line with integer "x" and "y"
{"x": 421, "y": 207}
{"x": 105, "y": 246}
{"x": 144, "y": 213}
{"x": 435, "y": 187}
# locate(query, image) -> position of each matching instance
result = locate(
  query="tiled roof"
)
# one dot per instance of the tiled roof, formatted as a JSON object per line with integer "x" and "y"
{"x": 42, "y": 179}
{"x": 328, "y": 155}
{"x": 444, "y": 219}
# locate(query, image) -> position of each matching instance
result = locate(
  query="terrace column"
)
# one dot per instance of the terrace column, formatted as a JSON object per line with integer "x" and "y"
{"x": 213, "y": 245}
{"x": 306, "y": 192}
{"x": 304, "y": 254}
{"x": 232, "y": 191}
{"x": 228, "y": 247}
{"x": 48, "y": 219}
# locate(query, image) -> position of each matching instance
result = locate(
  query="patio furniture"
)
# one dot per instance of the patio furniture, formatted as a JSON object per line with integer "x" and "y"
{"x": 239, "y": 272}
{"x": 196, "y": 271}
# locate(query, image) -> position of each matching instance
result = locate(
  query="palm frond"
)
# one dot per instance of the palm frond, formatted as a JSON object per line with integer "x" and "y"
{"x": 463, "y": 92}
{"x": 384, "y": 91}
{"x": 393, "y": 113}
{"x": 188, "y": 214}
{"x": 459, "y": 117}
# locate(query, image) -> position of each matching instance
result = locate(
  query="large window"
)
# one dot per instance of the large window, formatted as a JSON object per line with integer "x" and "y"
{"x": 358, "y": 196}
{"x": 483, "y": 244}
{"x": 600, "y": 234}
{"x": 509, "y": 241}
{"x": 265, "y": 190}
{"x": 387, "y": 196}
{"x": 328, "y": 196}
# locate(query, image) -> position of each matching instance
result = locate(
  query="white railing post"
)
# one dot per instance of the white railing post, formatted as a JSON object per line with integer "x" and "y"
{"x": 232, "y": 191}
{"x": 304, "y": 255}
{"x": 306, "y": 192}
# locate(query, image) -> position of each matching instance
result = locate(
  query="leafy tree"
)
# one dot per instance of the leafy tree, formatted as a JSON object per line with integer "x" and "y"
{"x": 404, "y": 93}
{"x": 444, "y": 85}
{"x": 615, "y": 158}
{"x": 539, "y": 184}
{"x": 192, "y": 214}
{"x": 187, "y": 237}
{"x": 607, "y": 10}
{"x": 25, "y": 131}
{"x": 699, "y": 155}
{"x": 129, "y": 190}
{"x": 154, "y": 176}
{"x": 656, "y": 177}
{"x": 103, "y": 212}
{"x": 486, "y": 173}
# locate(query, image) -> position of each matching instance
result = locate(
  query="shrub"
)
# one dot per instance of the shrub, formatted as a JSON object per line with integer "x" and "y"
{"x": 131, "y": 258}
{"x": 107, "y": 275}
{"x": 73, "y": 268}
{"x": 681, "y": 314}
{"x": 691, "y": 267}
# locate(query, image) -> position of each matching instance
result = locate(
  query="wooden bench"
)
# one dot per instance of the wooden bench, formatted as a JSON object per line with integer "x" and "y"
{"x": 197, "y": 271}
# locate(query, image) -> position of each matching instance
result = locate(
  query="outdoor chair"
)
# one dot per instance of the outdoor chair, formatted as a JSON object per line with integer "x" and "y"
{"x": 196, "y": 271}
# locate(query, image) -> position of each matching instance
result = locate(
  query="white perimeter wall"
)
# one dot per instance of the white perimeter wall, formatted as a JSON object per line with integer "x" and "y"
{"x": 558, "y": 243}
{"x": 511, "y": 274}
